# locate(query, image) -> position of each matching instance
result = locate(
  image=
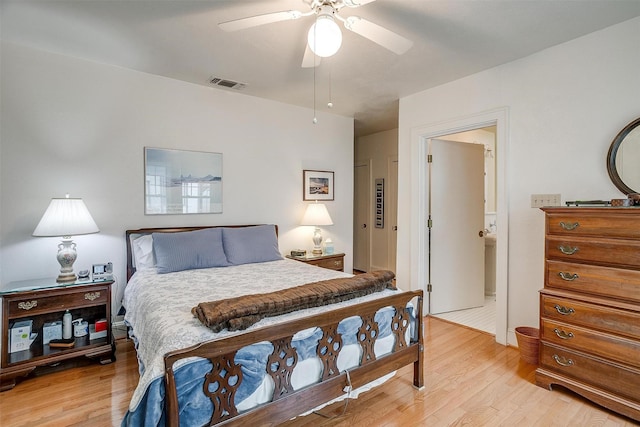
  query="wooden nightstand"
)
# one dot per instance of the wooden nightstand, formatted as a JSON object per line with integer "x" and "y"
{"x": 332, "y": 262}
{"x": 43, "y": 301}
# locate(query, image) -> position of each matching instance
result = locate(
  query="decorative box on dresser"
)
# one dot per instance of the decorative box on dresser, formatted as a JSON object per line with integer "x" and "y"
{"x": 590, "y": 305}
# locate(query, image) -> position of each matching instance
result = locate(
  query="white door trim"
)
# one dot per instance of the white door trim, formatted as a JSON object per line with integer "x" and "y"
{"x": 419, "y": 136}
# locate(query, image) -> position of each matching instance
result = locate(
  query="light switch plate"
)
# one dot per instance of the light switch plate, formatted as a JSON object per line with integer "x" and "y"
{"x": 542, "y": 200}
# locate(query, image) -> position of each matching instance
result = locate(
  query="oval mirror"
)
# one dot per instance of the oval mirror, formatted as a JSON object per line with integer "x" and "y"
{"x": 624, "y": 157}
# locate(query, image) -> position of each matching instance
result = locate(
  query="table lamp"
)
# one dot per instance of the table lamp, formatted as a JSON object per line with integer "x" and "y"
{"x": 316, "y": 215}
{"x": 64, "y": 218}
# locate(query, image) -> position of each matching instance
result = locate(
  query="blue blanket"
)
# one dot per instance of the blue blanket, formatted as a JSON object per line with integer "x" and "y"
{"x": 196, "y": 408}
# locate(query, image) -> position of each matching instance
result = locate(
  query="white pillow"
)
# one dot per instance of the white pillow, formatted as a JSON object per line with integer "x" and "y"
{"x": 143, "y": 256}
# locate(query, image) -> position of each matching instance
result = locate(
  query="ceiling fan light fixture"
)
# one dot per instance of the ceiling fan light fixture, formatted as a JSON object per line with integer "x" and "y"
{"x": 325, "y": 37}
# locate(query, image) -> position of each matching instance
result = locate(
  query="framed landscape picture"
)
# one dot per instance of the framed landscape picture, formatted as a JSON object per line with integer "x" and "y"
{"x": 317, "y": 185}
{"x": 182, "y": 182}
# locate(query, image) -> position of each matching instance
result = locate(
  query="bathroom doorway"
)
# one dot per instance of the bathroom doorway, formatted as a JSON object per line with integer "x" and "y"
{"x": 482, "y": 314}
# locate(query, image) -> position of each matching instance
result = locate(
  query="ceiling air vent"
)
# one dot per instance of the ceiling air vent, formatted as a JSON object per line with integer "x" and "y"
{"x": 230, "y": 84}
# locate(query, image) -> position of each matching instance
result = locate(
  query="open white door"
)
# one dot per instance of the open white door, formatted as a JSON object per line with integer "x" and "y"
{"x": 457, "y": 216}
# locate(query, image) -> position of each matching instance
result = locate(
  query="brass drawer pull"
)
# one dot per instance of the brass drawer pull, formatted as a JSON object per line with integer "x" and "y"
{"x": 569, "y": 227}
{"x": 564, "y": 310}
{"x": 562, "y": 334}
{"x": 562, "y": 361}
{"x": 27, "y": 305}
{"x": 92, "y": 296}
{"x": 568, "y": 276}
{"x": 568, "y": 250}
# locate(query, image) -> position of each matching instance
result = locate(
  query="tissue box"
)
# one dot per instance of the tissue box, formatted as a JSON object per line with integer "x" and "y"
{"x": 94, "y": 335}
{"x": 51, "y": 331}
{"x": 20, "y": 336}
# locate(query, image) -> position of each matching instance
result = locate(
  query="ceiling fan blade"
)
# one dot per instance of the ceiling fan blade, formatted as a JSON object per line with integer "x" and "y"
{"x": 357, "y": 3}
{"x": 254, "y": 21}
{"x": 380, "y": 35}
{"x": 310, "y": 59}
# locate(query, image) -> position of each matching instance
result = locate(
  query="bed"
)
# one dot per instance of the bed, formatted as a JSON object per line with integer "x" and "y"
{"x": 278, "y": 368}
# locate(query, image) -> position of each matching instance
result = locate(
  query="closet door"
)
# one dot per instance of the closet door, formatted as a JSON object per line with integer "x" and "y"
{"x": 362, "y": 217}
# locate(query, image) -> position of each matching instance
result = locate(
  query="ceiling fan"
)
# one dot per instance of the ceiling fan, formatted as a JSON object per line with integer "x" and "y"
{"x": 324, "y": 37}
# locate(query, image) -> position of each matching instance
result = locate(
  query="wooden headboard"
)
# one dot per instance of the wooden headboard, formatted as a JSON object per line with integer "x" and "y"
{"x": 143, "y": 231}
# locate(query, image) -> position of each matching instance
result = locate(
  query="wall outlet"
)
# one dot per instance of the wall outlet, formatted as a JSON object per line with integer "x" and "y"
{"x": 541, "y": 200}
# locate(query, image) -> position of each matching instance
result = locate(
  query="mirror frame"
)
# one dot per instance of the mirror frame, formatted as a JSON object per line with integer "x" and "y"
{"x": 611, "y": 158}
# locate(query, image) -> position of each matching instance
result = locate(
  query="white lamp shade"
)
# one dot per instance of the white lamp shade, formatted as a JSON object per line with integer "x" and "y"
{"x": 66, "y": 217}
{"x": 316, "y": 214}
{"x": 324, "y": 37}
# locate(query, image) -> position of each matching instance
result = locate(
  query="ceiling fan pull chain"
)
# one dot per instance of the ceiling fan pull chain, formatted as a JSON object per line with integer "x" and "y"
{"x": 315, "y": 119}
{"x": 330, "y": 103}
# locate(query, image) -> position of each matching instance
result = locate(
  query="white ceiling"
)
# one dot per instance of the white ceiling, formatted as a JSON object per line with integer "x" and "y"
{"x": 180, "y": 39}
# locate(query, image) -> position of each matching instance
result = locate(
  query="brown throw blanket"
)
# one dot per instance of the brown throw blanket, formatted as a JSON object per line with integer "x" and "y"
{"x": 241, "y": 312}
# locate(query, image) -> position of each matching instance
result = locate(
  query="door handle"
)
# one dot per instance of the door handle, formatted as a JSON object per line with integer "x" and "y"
{"x": 395, "y": 228}
{"x": 363, "y": 226}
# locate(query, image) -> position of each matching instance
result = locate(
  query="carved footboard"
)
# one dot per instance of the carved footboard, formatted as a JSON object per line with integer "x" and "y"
{"x": 225, "y": 375}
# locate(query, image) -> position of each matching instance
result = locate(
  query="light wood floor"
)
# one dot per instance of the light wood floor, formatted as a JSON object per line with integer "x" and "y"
{"x": 470, "y": 380}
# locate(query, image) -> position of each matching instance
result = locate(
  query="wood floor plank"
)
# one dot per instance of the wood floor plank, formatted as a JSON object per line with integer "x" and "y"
{"x": 469, "y": 380}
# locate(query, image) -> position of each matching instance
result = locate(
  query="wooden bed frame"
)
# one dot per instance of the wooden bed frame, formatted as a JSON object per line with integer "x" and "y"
{"x": 287, "y": 403}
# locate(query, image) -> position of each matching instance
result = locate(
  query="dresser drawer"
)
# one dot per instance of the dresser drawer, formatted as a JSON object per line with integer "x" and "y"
{"x": 624, "y": 223}
{"x": 599, "y": 317}
{"x": 601, "y": 251}
{"x": 592, "y": 279}
{"x": 616, "y": 378}
{"x": 609, "y": 346}
{"x": 43, "y": 302}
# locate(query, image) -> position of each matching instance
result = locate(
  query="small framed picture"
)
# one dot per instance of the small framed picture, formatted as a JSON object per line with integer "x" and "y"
{"x": 317, "y": 185}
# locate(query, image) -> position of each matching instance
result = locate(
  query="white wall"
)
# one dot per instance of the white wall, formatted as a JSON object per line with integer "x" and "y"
{"x": 79, "y": 127}
{"x": 380, "y": 148}
{"x": 566, "y": 104}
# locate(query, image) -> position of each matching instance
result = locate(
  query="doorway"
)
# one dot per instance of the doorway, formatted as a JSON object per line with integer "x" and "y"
{"x": 418, "y": 206}
{"x": 462, "y": 198}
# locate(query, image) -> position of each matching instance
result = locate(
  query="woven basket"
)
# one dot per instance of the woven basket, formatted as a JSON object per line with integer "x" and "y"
{"x": 528, "y": 343}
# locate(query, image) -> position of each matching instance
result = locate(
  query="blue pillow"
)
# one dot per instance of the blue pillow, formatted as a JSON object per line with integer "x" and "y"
{"x": 245, "y": 245}
{"x": 188, "y": 250}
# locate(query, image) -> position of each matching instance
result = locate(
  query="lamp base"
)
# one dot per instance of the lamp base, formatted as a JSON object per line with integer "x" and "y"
{"x": 317, "y": 242}
{"x": 66, "y": 257}
{"x": 66, "y": 278}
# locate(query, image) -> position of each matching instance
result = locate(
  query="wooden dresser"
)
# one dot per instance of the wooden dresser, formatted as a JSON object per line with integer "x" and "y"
{"x": 590, "y": 305}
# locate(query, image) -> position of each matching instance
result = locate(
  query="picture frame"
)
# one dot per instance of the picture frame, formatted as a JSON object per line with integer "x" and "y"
{"x": 178, "y": 182}
{"x": 317, "y": 185}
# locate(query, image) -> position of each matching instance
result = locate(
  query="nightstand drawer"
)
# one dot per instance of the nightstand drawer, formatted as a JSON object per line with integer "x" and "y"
{"x": 332, "y": 264}
{"x": 45, "y": 302}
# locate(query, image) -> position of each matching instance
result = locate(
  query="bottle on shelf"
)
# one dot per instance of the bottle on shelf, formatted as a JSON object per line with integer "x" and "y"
{"x": 66, "y": 325}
